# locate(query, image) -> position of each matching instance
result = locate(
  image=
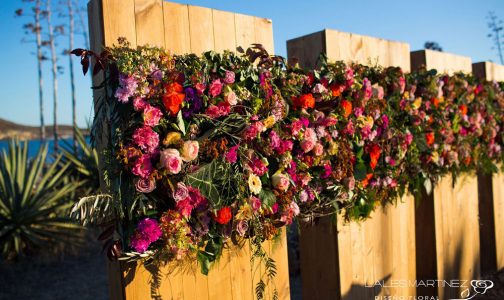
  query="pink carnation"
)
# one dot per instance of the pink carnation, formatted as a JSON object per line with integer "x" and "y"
{"x": 171, "y": 161}
{"x": 146, "y": 138}
{"x": 142, "y": 166}
{"x": 151, "y": 115}
{"x": 139, "y": 104}
{"x": 232, "y": 154}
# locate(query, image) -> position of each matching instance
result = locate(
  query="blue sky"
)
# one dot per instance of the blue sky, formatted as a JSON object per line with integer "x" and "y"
{"x": 459, "y": 26}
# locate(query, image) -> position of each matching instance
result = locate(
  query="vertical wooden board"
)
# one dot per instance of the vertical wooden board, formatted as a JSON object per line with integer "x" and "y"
{"x": 488, "y": 70}
{"x": 241, "y": 274}
{"x": 149, "y": 22}
{"x": 119, "y": 21}
{"x": 176, "y": 28}
{"x": 219, "y": 278}
{"x": 498, "y": 195}
{"x": 201, "y": 29}
{"x": 487, "y": 223}
{"x": 224, "y": 31}
{"x": 357, "y": 49}
{"x": 245, "y": 30}
{"x": 320, "y": 277}
{"x": 306, "y": 49}
{"x": 278, "y": 252}
{"x": 338, "y": 45}
{"x": 399, "y": 55}
{"x": 264, "y": 33}
{"x": 345, "y": 270}
{"x": 441, "y": 61}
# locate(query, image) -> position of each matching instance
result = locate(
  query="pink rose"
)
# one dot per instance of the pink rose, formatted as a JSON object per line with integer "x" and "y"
{"x": 309, "y": 140}
{"x": 171, "y": 160}
{"x": 151, "y": 115}
{"x": 200, "y": 88}
{"x": 378, "y": 91}
{"x": 230, "y": 98}
{"x": 190, "y": 150}
{"x": 255, "y": 203}
{"x": 181, "y": 192}
{"x": 145, "y": 185}
{"x": 213, "y": 111}
{"x": 229, "y": 77}
{"x": 280, "y": 181}
{"x": 242, "y": 227}
{"x": 318, "y": 150}
{"x": 215, "y": 88}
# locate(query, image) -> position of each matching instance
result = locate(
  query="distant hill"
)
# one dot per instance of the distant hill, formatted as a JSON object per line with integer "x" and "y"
{"x": 10, "y": 129}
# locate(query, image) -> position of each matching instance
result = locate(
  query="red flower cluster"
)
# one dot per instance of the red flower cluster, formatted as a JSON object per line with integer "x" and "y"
{"x": 173, "y": 98}
{"x": 374, "y": 154}
{"x": 304, "y": 101}
{"x": 223, "y": 215}
{"x": 347, "y": 108}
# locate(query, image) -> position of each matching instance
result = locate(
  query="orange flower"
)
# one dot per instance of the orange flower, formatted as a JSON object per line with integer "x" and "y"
{"x": 365, "y": 181}
{"x": 173, "y": 98}
{"x": 463, "y": 109}
{"x": 305, "y": 101}
{"x": 336, "y": 90}
{"x": 347, "y": 108}
{"x": 429, "y": 137}
{"x": 374, "y": 155}
{"x": 435, "y": 102}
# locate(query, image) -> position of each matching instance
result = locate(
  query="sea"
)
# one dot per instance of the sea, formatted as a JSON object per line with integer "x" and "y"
{"x": 35, "y": 144}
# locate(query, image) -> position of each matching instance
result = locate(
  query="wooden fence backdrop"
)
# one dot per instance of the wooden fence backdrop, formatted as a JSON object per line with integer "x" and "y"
{"x": 185, "y": 29}
{"x": 342, "y": 260}
{"x": 491, "y": 195}
{"x": 454, "y": 215}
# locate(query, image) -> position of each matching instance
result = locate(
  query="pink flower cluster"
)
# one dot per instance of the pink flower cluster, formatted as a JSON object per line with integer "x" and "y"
{"x": 146, "y": 233}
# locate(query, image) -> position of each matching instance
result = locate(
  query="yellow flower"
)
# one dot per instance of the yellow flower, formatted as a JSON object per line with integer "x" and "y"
{"x": 416, "y": 104}
{"x": 244, "y": 213}
{"x": 365, "y": 121}
{"x": 435, "y": 157}
{"x": 171, "y": 138}
{"x": 254, "y": 183}
{"x": 269, "y": 121}
{"x": 333, "y": 148}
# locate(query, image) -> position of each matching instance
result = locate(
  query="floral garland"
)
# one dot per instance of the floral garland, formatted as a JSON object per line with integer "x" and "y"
{"x": 207, "y": 148}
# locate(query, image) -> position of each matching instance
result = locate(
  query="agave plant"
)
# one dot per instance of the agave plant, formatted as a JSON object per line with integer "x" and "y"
{"x": 83, "y": 164}
{"x": 34, "y": 202}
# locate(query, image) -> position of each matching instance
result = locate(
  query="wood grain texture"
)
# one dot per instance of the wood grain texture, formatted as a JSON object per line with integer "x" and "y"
{"x": 457, "y": 231}
{"x": 367, "y": 50}
{"x": 224, "y": 31}
{"x": 306, "y": 50}
{"x": 118, "y": 20}
{"x": 149, "y": 22}
{"x": 263, "y": 29}
{"x": 498, "y": 195}
{"x": 201, "y": 29}
{"x": 443, "y": 62}
{"x": 245, "y": 30}
{"x": 176, "y": 33}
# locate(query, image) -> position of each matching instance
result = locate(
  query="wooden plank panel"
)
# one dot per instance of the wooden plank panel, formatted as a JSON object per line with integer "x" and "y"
{"x": 119, "y": 21}
{"x": 224, "y": 31}
{"x": 306, "y": 49}
{"x": 241, "y": 273}
{"x": 219, "y": 278}
{"x": 498, "y": 195}
{"x": 278, "y": 252}
{"x": 441, "y": 61}
{"x": 366, "y": 50}
{"x": 245, "y": 30}
{"x": 149, "y": 22}
{"x": 264, "y": 33}
{"x": 201, "y": 29}
{"x": 176, "y": 28}
{"x": 320, "y": 277}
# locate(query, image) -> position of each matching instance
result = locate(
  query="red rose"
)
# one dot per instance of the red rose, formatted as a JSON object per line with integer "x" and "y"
{"x": 223, "y": 215}
{"x": 173, "y": 98}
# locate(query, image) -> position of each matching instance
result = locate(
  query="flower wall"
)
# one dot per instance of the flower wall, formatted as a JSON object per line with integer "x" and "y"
{"x": 218, "y": 147}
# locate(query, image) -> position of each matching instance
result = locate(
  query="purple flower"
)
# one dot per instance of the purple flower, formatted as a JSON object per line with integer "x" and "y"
{"x": 229, "y": 77}
{"x": 147, "y": 232}
{"x": 194, "y": 101}
{"x": 127, "y": 87}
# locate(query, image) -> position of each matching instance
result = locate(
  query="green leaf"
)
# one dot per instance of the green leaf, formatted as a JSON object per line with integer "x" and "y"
{"x": 267, "y": 197}
{"x": 204, "y": 262}
{"x": 202, "y": 179}
{"x": 360, "y": 171}
{"x": 180, "y": 122}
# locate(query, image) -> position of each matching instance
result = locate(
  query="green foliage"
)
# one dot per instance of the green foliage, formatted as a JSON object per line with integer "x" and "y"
{"x": 82, "y": 165}
{"x": 33, "y": 202}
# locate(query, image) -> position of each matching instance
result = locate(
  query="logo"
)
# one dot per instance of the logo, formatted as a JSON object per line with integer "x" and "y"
{"x": 480, "y": 287}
